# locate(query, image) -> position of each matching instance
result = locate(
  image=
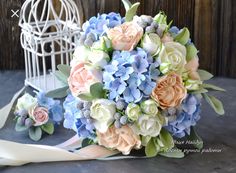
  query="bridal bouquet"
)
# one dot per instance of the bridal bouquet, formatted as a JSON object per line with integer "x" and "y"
{"x": 134, "y": 83}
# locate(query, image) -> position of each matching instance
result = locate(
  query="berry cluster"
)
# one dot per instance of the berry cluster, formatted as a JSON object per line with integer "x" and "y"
{"x": 120, "y": 117}
{"x": 149, "y": 25}
{"x": 87, "y": 40}
{"x": 85, "y": 118}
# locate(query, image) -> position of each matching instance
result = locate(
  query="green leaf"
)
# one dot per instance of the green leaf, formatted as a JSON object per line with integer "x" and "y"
{"x": 215, "y": 104}
{"x": 19, "y": 127}
{"x": 60, "y": 76}
{"x": 195, "y": 138}
{"x": 86, "y": 142}
{"x": 127, "y": 4}
{"x": 200, "y": 91}
{"x": 204, "y": 75}
{"x": 58, "y": 93}
{"x": 48, "y": 128}
{"x": 35, "y": 133}
{"x": 86, "y": 97}
{"x": 212, "y": 87}
{"x": 150, "y": 149}
{"x": 183, "y": 36}
{"x": 145, "y": 140}
{"x": 65, "y": 69}
{"x": 173, "y": 153}
{"x": 97, "y": 91}
{"x": 131, "y": 12}
{"x": 166, "y": 139}
{"x": 191, "y": 51}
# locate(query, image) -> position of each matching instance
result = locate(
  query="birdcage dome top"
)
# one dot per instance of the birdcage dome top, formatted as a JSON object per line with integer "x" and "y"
{"x": 40, "y": 14}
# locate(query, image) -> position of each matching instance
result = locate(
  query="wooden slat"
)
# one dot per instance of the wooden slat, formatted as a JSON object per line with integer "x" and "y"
{"x": 215, "y": 22}
{"x": 11, "y": 54}
{"x": 206, "y": 32}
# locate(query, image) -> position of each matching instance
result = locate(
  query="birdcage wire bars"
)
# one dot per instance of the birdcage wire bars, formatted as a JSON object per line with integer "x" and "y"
{"x": 48, "y": 37}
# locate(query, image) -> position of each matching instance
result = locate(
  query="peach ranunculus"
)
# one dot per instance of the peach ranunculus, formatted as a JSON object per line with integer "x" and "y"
{"x": 170, "y": 91}
{"x": 39, "y": 115}
{"x": 192, "y": 67}
{"x": 122, "y": 139}
{"x": 125, "y": 36}
{"x": 82, "y": 77}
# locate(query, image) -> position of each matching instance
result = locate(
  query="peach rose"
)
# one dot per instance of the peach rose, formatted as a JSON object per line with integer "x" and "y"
{"x": 125, "y": 36}
{"x": 122, "y": 139}
{"x": 81, "y": 78}
{"x": 39, "y": 115}
{"x": 170, "y": 91}
{"x": 192, "y": 67}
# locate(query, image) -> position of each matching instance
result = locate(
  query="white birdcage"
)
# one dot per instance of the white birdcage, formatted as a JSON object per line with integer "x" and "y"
{"x": 48, "y": 38}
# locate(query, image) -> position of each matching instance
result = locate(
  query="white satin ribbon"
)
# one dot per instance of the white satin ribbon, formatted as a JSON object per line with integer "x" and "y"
{"x": 5, "y": 111}
{"x": 16, "y": 154}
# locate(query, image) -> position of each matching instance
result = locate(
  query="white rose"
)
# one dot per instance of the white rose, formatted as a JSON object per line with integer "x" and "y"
{"x": 102, "y": 111}
{"x": 80, "y": 55}
{"x": 172, "y": 57}
{"x": 148, "y": 125}
{"x": 26, "y": 102}
{"x": 98, "y": 58}
{"x": 149, "y": 107}
{"x": 151, "y": 43}
{"x": 133, "y": 111}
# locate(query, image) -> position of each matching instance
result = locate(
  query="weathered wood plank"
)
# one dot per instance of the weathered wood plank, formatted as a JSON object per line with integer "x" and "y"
{"x": 215, "y": 22}
{"x": 11, "y": 54}
{"x": 206, "y": 33}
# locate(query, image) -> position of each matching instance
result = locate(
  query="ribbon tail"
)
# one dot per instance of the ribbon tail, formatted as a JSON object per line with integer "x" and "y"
{"x": 12, "y": 153}
{"x": 5, "y": 111}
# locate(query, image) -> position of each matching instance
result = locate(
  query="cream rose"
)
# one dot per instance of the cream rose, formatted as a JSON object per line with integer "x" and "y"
{"x": 148, "y": 125}
{"x": 125, "y": 36}
{"x": 26, "y": 102}
{"x": 122, "y": 139}
{"x": 98, "y": 58}
{"x": 133, "y": 111}
{"x": 170, "y": 91}
{"x": 149, "y": 107}
{"x": 80, "y": 55}
{"x": 103, "y": 111}
{"x": 39, "y": 115}
{"x": 172, "y": 57}
{"x": 82, "y": 77}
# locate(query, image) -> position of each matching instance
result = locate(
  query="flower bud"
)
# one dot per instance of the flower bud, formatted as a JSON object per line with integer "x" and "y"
{"x": 133, "y": 111}
{"x": 151, "y": 43}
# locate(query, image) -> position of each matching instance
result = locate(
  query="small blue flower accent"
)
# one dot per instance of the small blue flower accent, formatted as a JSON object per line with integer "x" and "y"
{"x": 54, "y": 106}
{"x": 130, "y": 75}
{"x": 74, "y": 118}
{"x": 188, "y": 117}
{"x": 100, "y": 24}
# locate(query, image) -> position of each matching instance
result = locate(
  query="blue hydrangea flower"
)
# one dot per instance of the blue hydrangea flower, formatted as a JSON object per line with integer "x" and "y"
{"x": 100, "y": 24}
{"x": 186, "y": 118}
{"x": 54, "y": 106}
{"x": 130, "y": 75}
{"x": 75, "y": 120}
